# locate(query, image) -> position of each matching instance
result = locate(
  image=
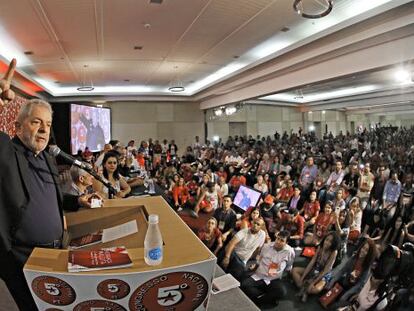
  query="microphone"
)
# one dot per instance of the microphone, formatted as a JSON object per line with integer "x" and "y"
{"x": 55, "y": 151}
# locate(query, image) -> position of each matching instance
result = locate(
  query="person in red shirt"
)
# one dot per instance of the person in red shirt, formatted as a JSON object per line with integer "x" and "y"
{"x": 293, "y": 222}
{"x": 221, "y": 172}
{"x": 192, "y": 187}
{"x": 284, "y": 195}
{"x": 211, "y": 236}
{"x": 180, "y": 193}
{"x": 310, "y": 210}
{"x": 140, "y": 159}
{"x": 236, "y": 181}
{"x": 322, "y": 224}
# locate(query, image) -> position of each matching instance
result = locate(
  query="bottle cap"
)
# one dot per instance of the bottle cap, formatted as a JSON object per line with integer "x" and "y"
{"x": 153, "y": 219}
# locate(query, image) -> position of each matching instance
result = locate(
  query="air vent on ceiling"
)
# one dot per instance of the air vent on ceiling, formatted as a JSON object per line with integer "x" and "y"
{"x": 156, "y": 1}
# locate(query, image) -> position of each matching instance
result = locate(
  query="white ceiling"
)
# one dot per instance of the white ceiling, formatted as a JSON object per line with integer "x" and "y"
{"x": 208, "y": 46}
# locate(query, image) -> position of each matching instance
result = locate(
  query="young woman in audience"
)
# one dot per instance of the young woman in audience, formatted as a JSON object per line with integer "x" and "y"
{"x": 375, "y": 226}
{"x": 355, "y": 271}
{"x": 173, "y": 182}
{"x": 341, "y": 222}
{"x": 268, "y": 182}
{"x": 355, "y": 213}
{"x": 313, "y": 279}
{"x": 203, "y": 185}
{"x": 210, "y": 235}
{"x": 250, "y": 215}
{"x": 296, "y": 200}
{"x": 248, "y": 218}
{"x": 223, "y": 187}
{"x": 323, "y": 223}
{"x": 180, "y": 193}
{"x": 110, "y": 173}
{"x": 395, "y": 235}
{"x": 275, "y": 167}
{"x": 310, "y": 210}
{"x": 208, "y": 201}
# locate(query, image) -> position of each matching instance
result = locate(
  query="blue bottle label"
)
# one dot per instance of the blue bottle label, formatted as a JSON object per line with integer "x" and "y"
{"x": 155, "y": 253}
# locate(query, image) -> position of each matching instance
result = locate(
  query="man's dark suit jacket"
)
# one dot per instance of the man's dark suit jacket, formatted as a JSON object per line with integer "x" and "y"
{"x": 14, "y": 195}
{"x": 14, "y": 199}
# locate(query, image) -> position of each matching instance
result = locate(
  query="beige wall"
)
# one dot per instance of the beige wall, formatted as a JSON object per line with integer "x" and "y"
{"x": 260, "y": 120}
{"x": 140, "y": 120}
{"x": 335, "y": 121}
{"x": 183, "y": 121}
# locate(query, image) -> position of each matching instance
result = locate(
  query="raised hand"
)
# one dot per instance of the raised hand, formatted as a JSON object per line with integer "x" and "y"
{"x": 6, "y": 94}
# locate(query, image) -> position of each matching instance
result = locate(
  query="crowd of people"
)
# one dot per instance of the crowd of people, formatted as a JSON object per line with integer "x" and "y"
{"x": 338, "y": 200}
{"x": 341, "y": 201}
{"x": 346, "y": 202}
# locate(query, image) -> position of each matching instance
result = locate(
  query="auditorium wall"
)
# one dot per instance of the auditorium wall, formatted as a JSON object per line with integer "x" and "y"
{"x": 142, "y": 120}
{"x": 260, "y": 120}
{"x": 183, "y": 121}
{"x": 266, "y": 120}
{"x": 391, "y": 118}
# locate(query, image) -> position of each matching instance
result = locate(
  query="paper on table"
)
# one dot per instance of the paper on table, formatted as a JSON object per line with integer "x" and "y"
{"x": 120, "y": 231}
{"x": 223, "y": 283}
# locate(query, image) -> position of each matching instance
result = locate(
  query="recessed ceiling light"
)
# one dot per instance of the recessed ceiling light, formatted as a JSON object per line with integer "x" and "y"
{"x": 147, "y": 25}
{"x": 402, "y": 75}
{"x": 138, "y": 47}
{"x": 85, "y": 88}
{"x": 176, "y": 89}
{"x": 28, "y": 52}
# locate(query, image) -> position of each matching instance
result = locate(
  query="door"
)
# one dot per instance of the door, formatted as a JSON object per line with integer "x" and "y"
{"x": 318, "y": 129}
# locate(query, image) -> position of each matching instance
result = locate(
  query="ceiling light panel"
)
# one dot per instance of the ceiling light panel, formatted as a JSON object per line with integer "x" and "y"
{"x": 308, "y": 98}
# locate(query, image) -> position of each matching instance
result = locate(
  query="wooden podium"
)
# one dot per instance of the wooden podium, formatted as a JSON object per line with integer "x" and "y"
{"x": 181, "y": 282}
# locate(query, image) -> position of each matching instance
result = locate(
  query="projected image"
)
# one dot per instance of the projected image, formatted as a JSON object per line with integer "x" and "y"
{"x": 246, "y": 197}
{"x": 90, "y": 127}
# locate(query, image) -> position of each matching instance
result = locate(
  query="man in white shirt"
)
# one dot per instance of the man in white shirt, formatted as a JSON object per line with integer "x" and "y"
{"x": 241, "y": 248}
{"x": 265, "y": 285}
{"x": 332, "y": 184}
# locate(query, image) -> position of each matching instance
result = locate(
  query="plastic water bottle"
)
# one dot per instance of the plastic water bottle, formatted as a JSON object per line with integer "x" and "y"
{"x": 153, "y": 249}
{"x": 151, "y": 187}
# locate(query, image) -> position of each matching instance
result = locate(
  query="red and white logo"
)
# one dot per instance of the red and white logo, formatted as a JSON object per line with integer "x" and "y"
{"x": 179, "y": 291}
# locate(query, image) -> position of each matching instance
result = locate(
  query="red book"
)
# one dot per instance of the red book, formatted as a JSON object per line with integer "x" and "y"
{"x": 105, "y": 258}
{"x": 86, "y": 240}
